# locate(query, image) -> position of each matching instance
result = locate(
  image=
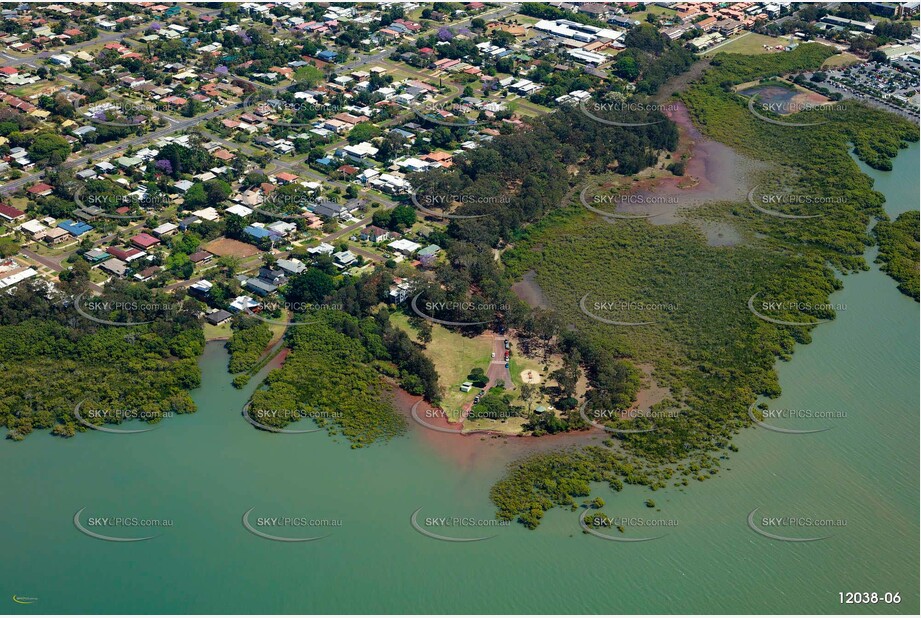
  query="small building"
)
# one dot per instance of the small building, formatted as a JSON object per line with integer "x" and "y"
{"x": 201, "y": 257}
{"x": 34, "y": 228}
{"x": 10, "y": 214}
{"x": 12, "y": 272}
{"x": 372, "y": 233}
{"x": 404, "y": 246}
{"x": 344, "y": 259}
{"x": 218, "y": 317}
{"x": 239, "y": 210}
{"x": 258, "y": 232}
{"x": 144, "y": 241}
{"x": 115, "y": 267}
{"x": 321, "y": 249}
{"x": 242, "y": 304}
{"x": 259, "y": 286}
{"x": 75, "y": 228}
{"x": 56, "y": 236}
{"x": 125, "y": 254}
{"x": 201, "y": 289}
{"x": 188, "y": 222}
{"x": 292, "y": 266}
{"x": 167, "y": 229}
{"x": 328, "y": 209}
{"x": 430, "y": 251}
{"x": 147, "y": 273}
{"x": 96, "y": 256}
{"x": 41, "y": 189}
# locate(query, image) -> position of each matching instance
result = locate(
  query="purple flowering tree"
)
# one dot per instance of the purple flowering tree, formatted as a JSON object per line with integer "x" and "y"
{"x": 164, "y": 166}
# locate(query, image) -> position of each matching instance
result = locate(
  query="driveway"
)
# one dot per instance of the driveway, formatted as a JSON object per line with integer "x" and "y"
{"x": 497, "y": 369}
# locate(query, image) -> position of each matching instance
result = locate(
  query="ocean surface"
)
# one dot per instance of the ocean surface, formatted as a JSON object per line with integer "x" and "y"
{"x": 201, "y": 473}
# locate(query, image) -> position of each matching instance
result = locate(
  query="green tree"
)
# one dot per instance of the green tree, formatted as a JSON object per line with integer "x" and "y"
{"x": 311, "y": 286}
{"x": 48, "y": 148}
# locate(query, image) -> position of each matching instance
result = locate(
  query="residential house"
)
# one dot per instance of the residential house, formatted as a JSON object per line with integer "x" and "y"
{"x": 144, "y": 241}
{"x": 372, "y": 233}
{"x": 10, "y": 214}
{"x": 343, "y": 259}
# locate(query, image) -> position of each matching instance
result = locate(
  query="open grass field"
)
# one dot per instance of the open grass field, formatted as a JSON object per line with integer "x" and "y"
{"x": 652, "y": 10}
{"x": 213, "y": 332}
{"x": 454, "y": 356}
{"x": 841, "y": 60}
{"x": 748, "y": 43}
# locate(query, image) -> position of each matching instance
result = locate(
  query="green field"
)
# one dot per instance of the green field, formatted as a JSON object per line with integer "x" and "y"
{"x": 454, "y": 356}
{"x": 841, "y": 60}
{"x": 213, "y": 332}
{"x": 652, "y": 9}
{"x": 748, "y": 43}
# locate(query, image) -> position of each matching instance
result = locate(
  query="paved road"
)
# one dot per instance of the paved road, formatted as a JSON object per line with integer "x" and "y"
{"x": 14, "y": 185}
{"x": 54, "y": 265}
{"x": 35, "y": 59}
{"x": 497, "y": 369}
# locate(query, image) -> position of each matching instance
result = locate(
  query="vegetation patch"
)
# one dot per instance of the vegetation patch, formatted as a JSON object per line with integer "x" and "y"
{"x": 711, "y": 352}
{"x": 898, "y": 250}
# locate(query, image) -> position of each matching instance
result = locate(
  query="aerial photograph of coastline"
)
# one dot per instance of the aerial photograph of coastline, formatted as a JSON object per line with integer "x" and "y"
{"x": 460, "y": 308}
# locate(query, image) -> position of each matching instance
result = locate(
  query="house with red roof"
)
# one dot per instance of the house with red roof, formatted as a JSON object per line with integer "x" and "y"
{"x": 144, "y": 241}
{"x": 125, "y": 255}
{"x": 8, "y": 213}
{"x": 41, "y": 189}
{"x": 223, "y": 155}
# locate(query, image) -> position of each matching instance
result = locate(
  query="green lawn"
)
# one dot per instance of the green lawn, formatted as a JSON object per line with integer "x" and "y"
{"x": 748, "y": 43}
{"x": 652, "y": 9}
{"x": 454, "y": 356}
{"x": 841, "y": 60}
{"x": 217, "y": 332}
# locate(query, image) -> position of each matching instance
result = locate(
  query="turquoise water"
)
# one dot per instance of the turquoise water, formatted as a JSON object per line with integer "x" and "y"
{"x": 204, "y": 471}
{"x": 900, "y": 186}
